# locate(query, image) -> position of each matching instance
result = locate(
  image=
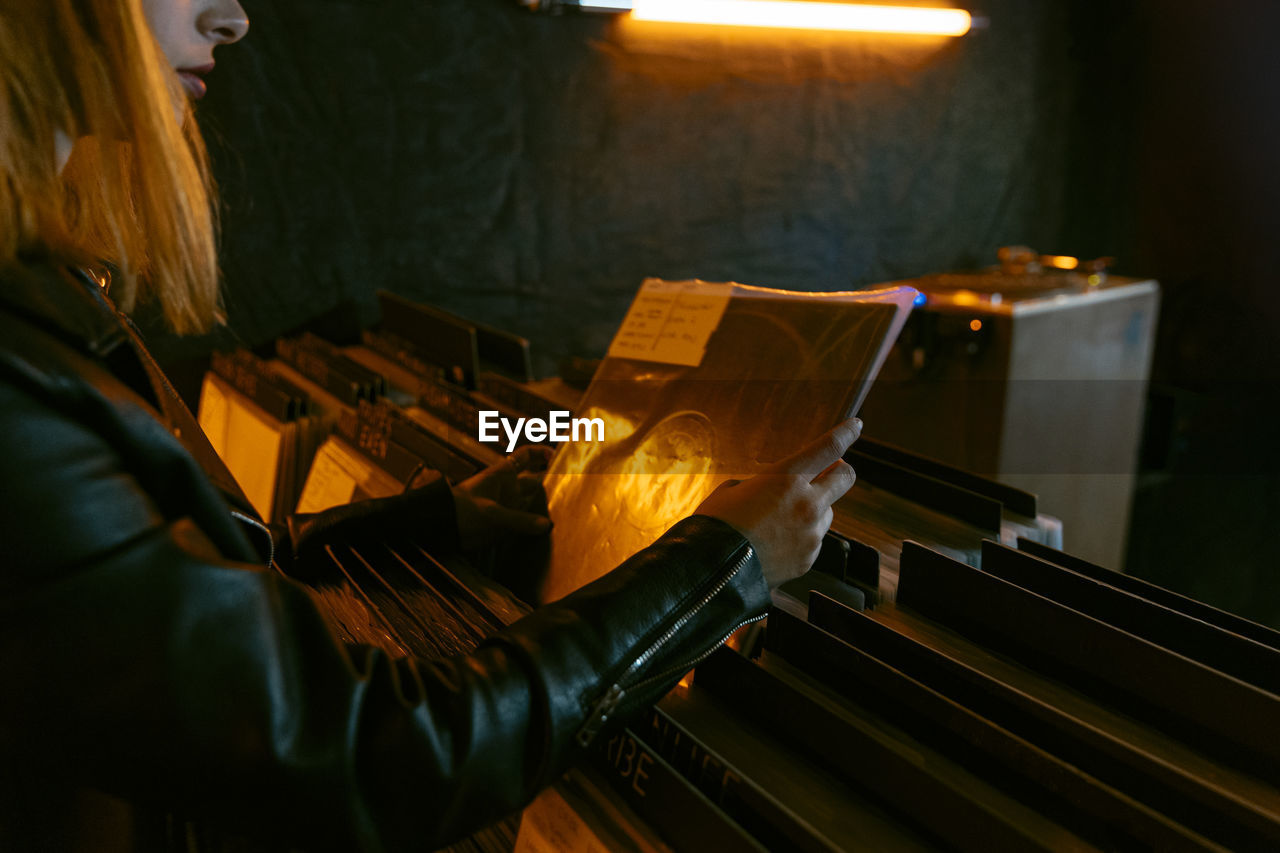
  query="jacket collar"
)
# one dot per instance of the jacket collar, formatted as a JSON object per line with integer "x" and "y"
{"x": 64, "y": 301}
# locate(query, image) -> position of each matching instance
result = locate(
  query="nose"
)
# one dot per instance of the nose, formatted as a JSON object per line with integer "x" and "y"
{"x": 223, "y": 21}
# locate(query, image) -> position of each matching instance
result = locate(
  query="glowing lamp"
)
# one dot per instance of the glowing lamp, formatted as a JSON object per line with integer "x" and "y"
{"x": 804, "y": 15}
{"x": 786, "y": 14}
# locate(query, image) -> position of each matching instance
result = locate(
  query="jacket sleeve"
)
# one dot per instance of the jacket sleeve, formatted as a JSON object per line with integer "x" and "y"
{"x": 137, "y": 659}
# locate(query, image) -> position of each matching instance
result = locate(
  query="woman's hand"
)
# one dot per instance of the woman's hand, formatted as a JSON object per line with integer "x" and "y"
{"x": 786, "y": 509}
{"x": 506, "y": 498}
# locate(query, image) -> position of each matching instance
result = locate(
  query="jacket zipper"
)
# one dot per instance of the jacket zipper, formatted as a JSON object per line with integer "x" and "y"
{"x": 608, "y": 703}
{"x": 266, "y": 531}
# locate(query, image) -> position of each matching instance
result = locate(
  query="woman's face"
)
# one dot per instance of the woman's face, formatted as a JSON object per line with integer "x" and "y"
{"x": 189, "y": 30}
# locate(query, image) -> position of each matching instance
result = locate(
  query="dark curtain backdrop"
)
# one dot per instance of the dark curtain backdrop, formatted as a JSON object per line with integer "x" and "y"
{"x": 529, "y": 172}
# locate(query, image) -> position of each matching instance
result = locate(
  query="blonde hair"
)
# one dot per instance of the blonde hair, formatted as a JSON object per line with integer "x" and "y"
{"x": 136, "y": 193}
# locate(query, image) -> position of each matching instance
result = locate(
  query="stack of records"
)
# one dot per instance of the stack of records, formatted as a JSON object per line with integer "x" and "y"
{"x": 441, "y": 371}
{"x": 264, "y": 426}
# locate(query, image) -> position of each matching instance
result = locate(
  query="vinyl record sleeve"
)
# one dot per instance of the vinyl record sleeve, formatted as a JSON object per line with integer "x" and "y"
{"x": 773, "y": 369}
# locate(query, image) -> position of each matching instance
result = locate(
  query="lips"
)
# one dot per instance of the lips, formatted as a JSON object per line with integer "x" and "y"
{"x": 193, "y": 82}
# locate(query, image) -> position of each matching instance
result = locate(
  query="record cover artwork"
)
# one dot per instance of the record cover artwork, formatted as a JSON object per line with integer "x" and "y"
{"x": 703, "y": 383}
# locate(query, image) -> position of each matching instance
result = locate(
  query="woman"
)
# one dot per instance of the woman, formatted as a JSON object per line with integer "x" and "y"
{"x": 146, "y": 654}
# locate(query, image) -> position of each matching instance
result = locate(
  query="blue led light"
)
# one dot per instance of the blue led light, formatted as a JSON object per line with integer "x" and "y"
{"x": 919, "y": 300}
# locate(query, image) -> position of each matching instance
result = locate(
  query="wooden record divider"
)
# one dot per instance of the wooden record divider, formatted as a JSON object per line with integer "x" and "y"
{"x": 869, "y": 674}
{"x": 930, "y": 491}
{"x": 446, "y": 399}
{"x": 421, "y": 394}
{"x": 863, "y": 567}
{"x": 249, "y": 375}
{"x": 752, "y": 807}
{"x": 373, "y": 441}
{"x": 1167, "y": 598}
{"x": 1013, "y": 499}
{"x": 1223, "y": 650}
{"x": 503, "y": 352}
{"x": 1171, "y": 692}
{"x": 682, "y": 815}
{"x": 443, "y": 338}
{"x": 883, "y": 520}
{"x": 860, "y": 566}
{"x": 318, "y": 361}
{"x": 371, "y": 385}
{"x": 741, "y": 757}
{"x": 1218, "y": 803}
{"x": 439, "y": 454}
{"x": 947, "y": 801}
{"x": 517, "y": 398}
{"x": 901, "y": 496}
{"x": 828, "y": 575}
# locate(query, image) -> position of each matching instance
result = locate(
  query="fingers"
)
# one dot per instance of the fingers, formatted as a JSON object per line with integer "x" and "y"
{"x": 831, "y": 484}
{"x": 529, "y": 460}
{"x": 529, "y": 492}
{"x": 818, "y": 456}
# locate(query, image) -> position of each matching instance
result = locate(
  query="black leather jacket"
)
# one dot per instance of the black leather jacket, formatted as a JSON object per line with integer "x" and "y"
{"x": 146, "y": 653}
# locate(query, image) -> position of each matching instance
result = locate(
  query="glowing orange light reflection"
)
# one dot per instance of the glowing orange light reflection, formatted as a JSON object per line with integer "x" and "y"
{"x": 658, "y": 480}
{"x": 975, "y": 325}
{"x": 1062, "y": 262}
{"x": 800, "y": 14}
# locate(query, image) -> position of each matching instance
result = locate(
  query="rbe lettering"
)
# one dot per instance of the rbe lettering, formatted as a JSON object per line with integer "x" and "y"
{"x": 561, "y": 427}
{"x": 630, "y": 760}
{"x": 707, "y": 772}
